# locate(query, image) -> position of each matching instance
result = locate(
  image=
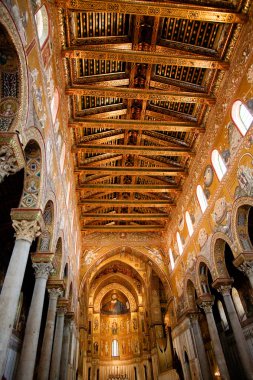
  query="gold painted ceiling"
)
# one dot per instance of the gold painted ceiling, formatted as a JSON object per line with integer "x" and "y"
{"x": 141, "y": 78}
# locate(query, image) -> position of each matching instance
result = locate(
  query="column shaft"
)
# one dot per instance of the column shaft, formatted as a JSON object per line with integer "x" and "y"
{"x": 10, "y": 295}
{"x": 205, "y": 370}
{"x": 65, "y": 351}
{"x": 217, "y": 346}
{"x": 239, "y": 336}
{"x": 30, "y": 344}
{"x": 57, "y": 346}
{"x": 46, "y": 351}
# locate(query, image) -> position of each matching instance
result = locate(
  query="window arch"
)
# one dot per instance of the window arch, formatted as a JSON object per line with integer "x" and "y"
{"x": 202, "y": 198}
{"x": 238, "y": 304}
{"x": 241, "y": 117}
{"x": 115, "y": 347}
{"x": 189, "y": 223}
{"x": 218, "y": 164}
{"x": 172, "y": 262}
{"x": 42, "y": 25}
{"x": 179, "y": 243}
{"x": 54, "y": 105}
{"x": 223, "y": 317}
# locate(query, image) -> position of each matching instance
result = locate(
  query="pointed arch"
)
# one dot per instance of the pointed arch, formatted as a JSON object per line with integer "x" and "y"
{"x": 33, "y": 173}
{"x": 218, "y": 242}
{"x": 241, "y": 116}
{"x": 239, "y": 224}
{"x": 20, "y": 120}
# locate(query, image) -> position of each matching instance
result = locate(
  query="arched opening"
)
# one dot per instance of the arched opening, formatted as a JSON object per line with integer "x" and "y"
{"x": 32, "y": 180}
{"x": 58, "y": 259}
{"x": 202, "y": 198}
{"x": 244, "y": 223}
{"x": 42, "y": 24}
{"x": 241, "y": 116}
{"x": 218, "y": 164}
{"x": 179, "y": 244}
{"x": 189, "y": 223}
{"x": 241, "y": 292}
{"x": 9, "y": 82}
{"x": 45, "y": 238}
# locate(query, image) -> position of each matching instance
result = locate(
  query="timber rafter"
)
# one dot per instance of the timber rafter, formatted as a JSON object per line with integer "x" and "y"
{"x": 134, "y": 93}
{"x": 151, "y": 58}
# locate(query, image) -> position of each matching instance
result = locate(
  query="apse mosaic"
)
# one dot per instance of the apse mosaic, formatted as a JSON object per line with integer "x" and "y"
{"x": 115, "y": 304}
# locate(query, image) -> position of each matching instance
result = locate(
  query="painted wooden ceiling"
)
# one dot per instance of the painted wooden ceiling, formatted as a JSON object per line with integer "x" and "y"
{"x": 141, "y": 78}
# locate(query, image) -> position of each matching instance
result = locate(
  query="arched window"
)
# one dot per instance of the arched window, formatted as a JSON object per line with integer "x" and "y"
{"x": 202, "y": 198}
{"x": 54, "y": 105}
{"x": 189, "y": 223}
{"x": 179, "y": 243}
{"x": 42, "y": 24}
{"x": 172, "y": 262}
{"x": 241, "y": 117}
{"x": 238, "y": 304}
{"x": 115, "y": 347}
{"x": 223, "y": 317}
{"x": 218, "y": 164}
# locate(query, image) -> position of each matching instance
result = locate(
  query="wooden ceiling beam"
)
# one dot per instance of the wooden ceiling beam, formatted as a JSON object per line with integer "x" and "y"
{"x": 130, "y": 188}
{"x": 135, "y": 93}
{"x": 133, "y": 216}
{"x": 105, "y": 160}
{"x": 152, "y": 8}
{"x": 122, "y": 228}
{"x": 177, "y": 126}
{"x": 125, "y": 203}
{"x": 173, "y": 172}
{"x": 133, "y": 149}
{"x": 151, "y": 58}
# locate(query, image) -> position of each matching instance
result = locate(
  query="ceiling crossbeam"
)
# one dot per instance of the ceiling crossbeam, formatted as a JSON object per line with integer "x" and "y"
{"x": 132, "y": 171}
{"x": 152, "y": 8}
{"x": 123, "y": 228}
{"x": 123, "y": 216}
{"x": 125, "y": 203}
{"x": 151, "y": 58}
{"x": 139, "y": 94}
{"x": 133, "y": 149}
{"x": 130, "y": 188}
{"x": 168, "y": 126}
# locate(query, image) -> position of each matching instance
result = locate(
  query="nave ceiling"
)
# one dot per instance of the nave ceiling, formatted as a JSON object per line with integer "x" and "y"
{"x": 141, "y": 79}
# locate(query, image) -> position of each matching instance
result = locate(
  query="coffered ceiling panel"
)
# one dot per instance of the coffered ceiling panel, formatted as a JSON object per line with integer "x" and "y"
{"x": 141, "y": 78}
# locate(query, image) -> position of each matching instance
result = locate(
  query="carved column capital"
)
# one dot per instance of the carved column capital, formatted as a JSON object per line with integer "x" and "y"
{"x": 27, "y": 223}
{"x": 224, "y": 289}
{"x": 62, "y": 306}
{"x": 206, "y": 302}
{"x": 223, "y": 285}
{"x": 42, "y": 270}
{"x": 11, "y": 154}
{"x": 26, "y": 230}
{"x": 55, "y": 292}
{"x": 247, "y": 268}
{"x": 207, "y": 306}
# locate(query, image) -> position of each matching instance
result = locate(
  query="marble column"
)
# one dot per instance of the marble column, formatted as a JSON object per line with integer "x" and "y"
{"x": 240, "y": 340}
{"x": 66, "y": 354}
{"x": 202, "y": 357}
{"x": 30, "y": 343}
{"x": 57, "y": 345}
{"x": 46, "y": 351}
{"x": 26, "y": 231}
{"x": 206, "y": 305}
